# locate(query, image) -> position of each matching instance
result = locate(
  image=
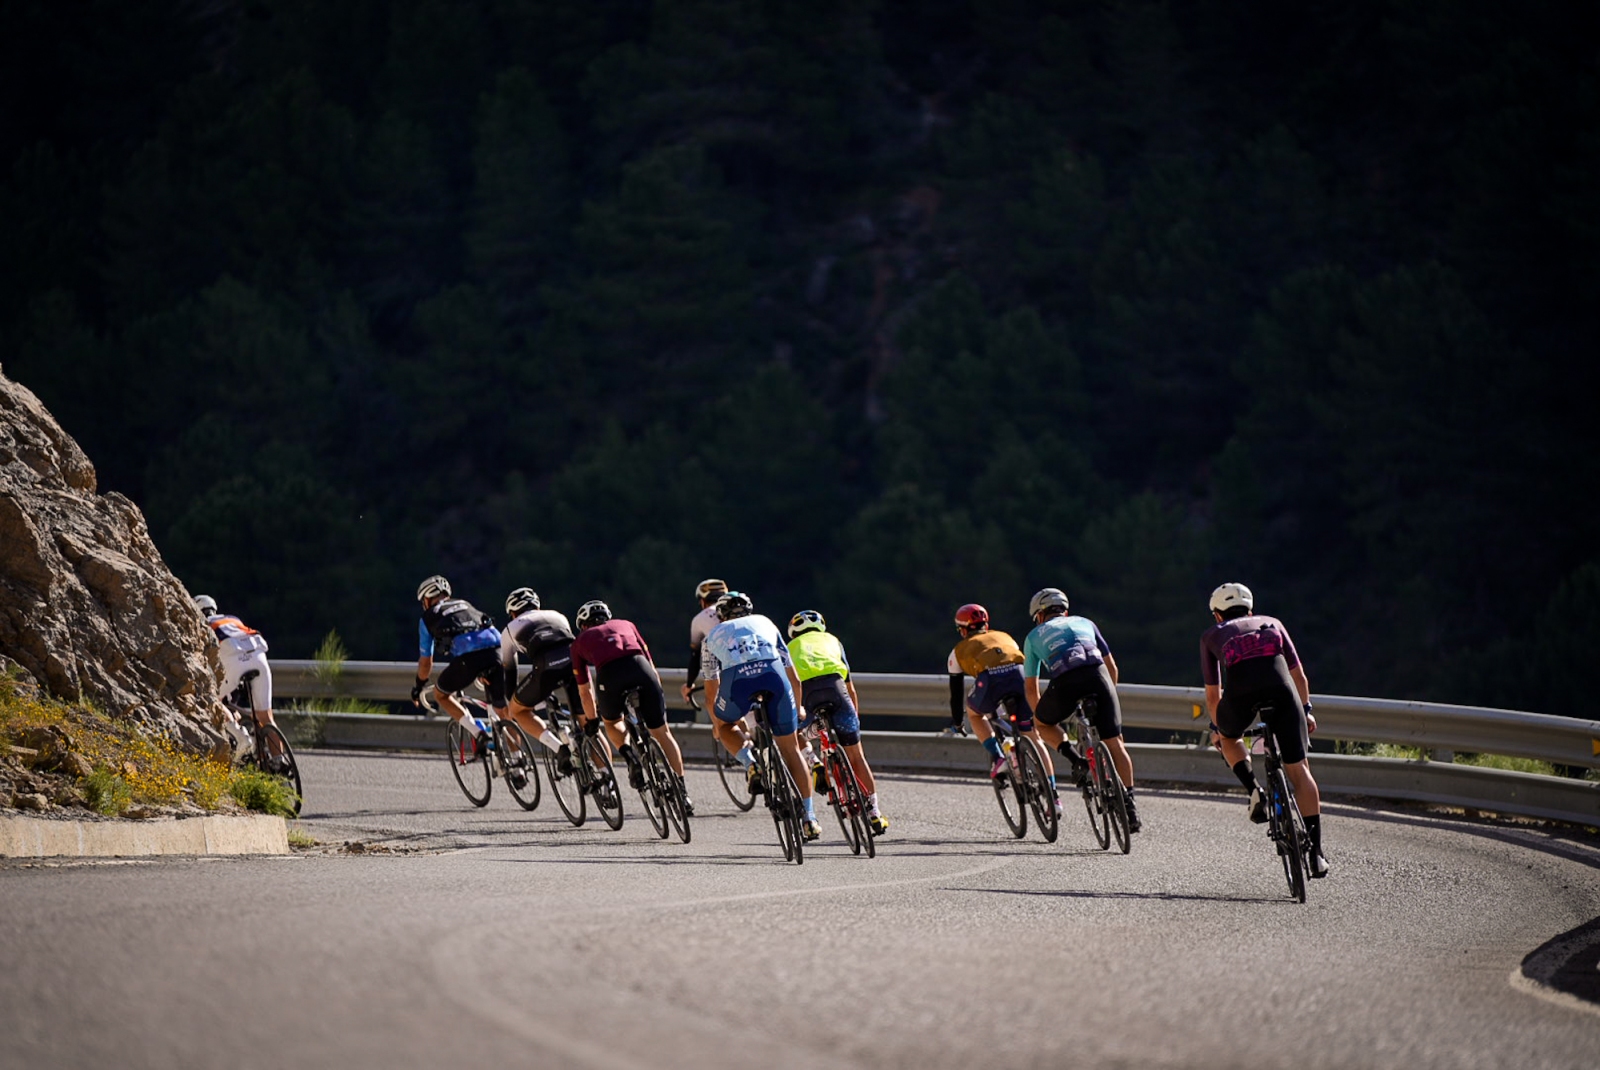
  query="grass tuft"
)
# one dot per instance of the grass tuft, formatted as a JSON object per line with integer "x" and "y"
{"x": 262, "y": 792}
{"x": 107, "y": 792}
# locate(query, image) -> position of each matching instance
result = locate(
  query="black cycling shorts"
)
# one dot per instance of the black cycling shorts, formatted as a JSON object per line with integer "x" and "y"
{"x": 613, "y": 681}
{"x": 1250, "y": 683}
{"x": 1061, "y": 697}
{"x": 549, "y": 669}
{"x": 828, "y": 695}
{"x": 459, "y": 674}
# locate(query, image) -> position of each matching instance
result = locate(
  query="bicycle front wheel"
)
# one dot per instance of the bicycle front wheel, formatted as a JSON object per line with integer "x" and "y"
{"x": 1008, "y": 793}
{"x": 1096, "y": 796}
{"x": 732, "y": 776}
{"x": 568, "y": 788}
{"x": 784, "y": 799}
{"x": 603, "y": 781}
{"x": 654, "y": 766}
{"x": 279, "y": 759}
{"x": 470, "y": 763}
{"x": 516, "y": 755}
{"x": 1035, "y": 783}
{"x": 1290, "y": 838}
{"x": 840, "y": 780}
{"x": 1116, "y": 799}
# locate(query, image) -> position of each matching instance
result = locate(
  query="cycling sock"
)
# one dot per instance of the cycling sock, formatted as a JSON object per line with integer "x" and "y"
{"x": 810, "y": 803}
{"x": 872, "y": 803}
{"x": 992, "y": 745}
{"x": 1241, "y": 769}
{"x": 746, "y": 756}
{"x": 1314, "y": 827}
{"x": 1070, "y": 753}
{"x": 550, "y": 740}
{"x": 1053, "y": 789}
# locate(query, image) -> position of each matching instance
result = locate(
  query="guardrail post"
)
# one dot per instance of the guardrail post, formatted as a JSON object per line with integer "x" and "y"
{"x": 1441, "y": 756}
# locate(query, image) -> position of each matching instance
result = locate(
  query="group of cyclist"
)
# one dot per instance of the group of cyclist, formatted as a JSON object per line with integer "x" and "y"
{"x": 1248, "y": 665}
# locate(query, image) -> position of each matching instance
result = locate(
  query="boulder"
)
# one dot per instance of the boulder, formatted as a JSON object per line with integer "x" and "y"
{"x": 88, "y": 609}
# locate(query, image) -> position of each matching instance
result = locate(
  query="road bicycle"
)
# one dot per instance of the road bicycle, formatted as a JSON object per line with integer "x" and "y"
{"x": 269, "y": 749}
{"x": 729, "y": 771}
{"x": 572, "y": 788}
{"x": 500, "y": 749}
{"x": 783, "y": 796}
{"x": 845, "y": 794}
{"x": 1285, "y": 827}
{"x": 666, "y": 802}
{"x": 1024, "y": 784}
{"x": 1104, "y": 796}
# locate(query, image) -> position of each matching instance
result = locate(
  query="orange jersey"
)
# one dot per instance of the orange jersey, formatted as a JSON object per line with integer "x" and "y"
{"x": 984, "y": 651}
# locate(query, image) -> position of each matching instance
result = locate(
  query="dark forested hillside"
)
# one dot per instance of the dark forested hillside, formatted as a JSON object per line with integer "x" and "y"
{"x": 877, "y": 307}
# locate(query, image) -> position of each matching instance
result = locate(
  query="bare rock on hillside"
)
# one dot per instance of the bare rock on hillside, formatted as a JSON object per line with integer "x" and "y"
{"x": 87, "y": 606}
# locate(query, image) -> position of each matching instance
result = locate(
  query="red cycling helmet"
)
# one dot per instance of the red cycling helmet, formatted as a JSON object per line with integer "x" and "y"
{"x": 972, "y": 617}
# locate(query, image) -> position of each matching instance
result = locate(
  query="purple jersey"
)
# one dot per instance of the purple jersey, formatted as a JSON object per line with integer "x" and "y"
{"x": 1240, "y": 639}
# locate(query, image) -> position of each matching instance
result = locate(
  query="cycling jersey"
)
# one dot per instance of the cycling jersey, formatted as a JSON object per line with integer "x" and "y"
{"x": 818, "y": 653}
{"x": 460, "y": 624}
{"x": 605, "y": 643}
{"x": 1243, "y": 639}
{"x": 986, "y": 650}
{"x": 231, "y": 628}
{"x": 739, "y": 641}
{"x": 242, "y": 649}
{"x": 532, "y": 633}
{"x": 1061, "y": 644}
{"x": 702, "y": 625}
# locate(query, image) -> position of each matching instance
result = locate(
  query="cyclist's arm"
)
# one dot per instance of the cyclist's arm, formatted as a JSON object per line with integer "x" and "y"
{"x": 1111, "y": 666}
{"x": 1030, "y": 687}
{"x": 794, "y": 683}
{"x": 424, "y": 655}
{"x": 586, "y": 697}
{"x": 958, "y": 696}
{"x": 850, "y": 689}
{"x": 1213, "y": 696}
{"x": 1301, "y": 684}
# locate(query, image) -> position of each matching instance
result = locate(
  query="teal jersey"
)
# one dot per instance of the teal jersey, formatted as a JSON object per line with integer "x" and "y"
{"x": 1061, "y": 644}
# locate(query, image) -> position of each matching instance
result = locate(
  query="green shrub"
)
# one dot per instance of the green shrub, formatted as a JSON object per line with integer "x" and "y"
{"x": 262, "y": 792}
{"x": 107, "y": 792}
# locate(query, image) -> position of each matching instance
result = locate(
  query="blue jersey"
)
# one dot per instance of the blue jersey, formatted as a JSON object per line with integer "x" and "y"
{"x": 1061, "y": 644}
{"x": 741, "y": 641}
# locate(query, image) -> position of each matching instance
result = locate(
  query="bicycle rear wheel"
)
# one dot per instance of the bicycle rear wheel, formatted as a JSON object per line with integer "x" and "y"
{"x": 516, "y": 756}
{"x": 732, "y": 775}
{"x": 603, "y": 781}
{"x": 654, "y": 766}
{"x": 567, "y": 789}
{"x": 1095, "y": 797}
{"x": 858, "y": 810}
{"x": 783, "y": 797}
{"x": 1116, "y": 799}
{"x": 676, "y": 798}
{"x": 283, "y": 764}
{"x": 1290, "y": 841}
{"x": 1008, "y": 793}
{"x": 1035, "y": 783}
{"x": 470, "y": 764}
{"x": 839, "y": 776}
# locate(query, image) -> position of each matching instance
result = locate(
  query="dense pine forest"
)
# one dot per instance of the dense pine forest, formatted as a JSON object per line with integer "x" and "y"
{"x": 872, "y": 307}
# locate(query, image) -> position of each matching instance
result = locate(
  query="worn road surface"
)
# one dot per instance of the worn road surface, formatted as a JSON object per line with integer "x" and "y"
{"x": 495, "y": 938}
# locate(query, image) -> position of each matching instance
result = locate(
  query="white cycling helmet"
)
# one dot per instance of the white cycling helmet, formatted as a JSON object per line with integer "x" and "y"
{"x": 521, "y": 600}
{"x": 1049, "y": 598}
{"x": 807, "y": 620}
{"x": 706, "y": 588}
{"x": 205, "y": 604}
{"x": 433, "y": 587}
{"x": 1229, "y": 595}
{"x": 591, "y": 613}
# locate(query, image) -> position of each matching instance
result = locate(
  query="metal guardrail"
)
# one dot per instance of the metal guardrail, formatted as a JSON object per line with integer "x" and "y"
{"x": 1431, "y": 726}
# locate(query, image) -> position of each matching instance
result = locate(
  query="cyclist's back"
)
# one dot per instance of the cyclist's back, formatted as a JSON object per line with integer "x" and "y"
{"x": 1251, "y": 658}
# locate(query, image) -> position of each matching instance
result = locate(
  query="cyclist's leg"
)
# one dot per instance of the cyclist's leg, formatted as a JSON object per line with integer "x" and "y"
{"x": 456, "y": 676}
{"x": 653, "y": 715}
{"x": 728, "y": 723}
{"x": 1108, "y": 721}
{"x": 784, "y": 719}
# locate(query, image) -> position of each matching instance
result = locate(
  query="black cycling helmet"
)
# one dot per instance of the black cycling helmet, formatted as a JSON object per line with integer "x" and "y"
{"x": 591, "y": 613}
{"x": 734, "y": 604}
{"x": 521, "y": 600}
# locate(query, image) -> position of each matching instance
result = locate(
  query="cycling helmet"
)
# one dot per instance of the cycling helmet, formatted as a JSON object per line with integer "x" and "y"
{"x": 433, "y": 587}
{"x": 593, "y": 612}
{"x": 521, "y": 600}
{"x": 734, "y": 604}
{"x": 807, "y": 620}
{"x": 1049, "y": 598}
{"x": 972, "y": 617}
{"x": 205, "y": 604}
{"x": 1229, "y": 595}
{"x": 706, "y": 588}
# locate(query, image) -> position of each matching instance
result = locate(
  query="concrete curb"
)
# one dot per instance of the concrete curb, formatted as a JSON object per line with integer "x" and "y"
{"x": 38, "y": 837}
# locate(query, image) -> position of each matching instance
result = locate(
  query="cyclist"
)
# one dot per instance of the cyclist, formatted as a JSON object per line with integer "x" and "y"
{"x": 824, "y": 674}
{"x": 610, "y": 659}
{"x": 994, "y": 661}
{"x": 241, "y": 649}
{"x": 1075, "y": 661}
{"x": 473, "y": 643}
{"x": 1247, "y": 658}
{"x": 700, "y": 625}
{"x": 747, "y": 649}
{"x": 544, "y": 637}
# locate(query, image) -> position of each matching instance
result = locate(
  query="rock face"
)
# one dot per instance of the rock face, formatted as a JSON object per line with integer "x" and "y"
{"x": 87, "y": 606}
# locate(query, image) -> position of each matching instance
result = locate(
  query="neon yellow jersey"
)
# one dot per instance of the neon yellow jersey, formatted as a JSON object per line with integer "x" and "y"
{"x": 818, "y": 654}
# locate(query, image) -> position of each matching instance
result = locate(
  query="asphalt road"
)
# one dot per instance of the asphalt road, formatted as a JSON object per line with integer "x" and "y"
{"x": 461, "y": 937}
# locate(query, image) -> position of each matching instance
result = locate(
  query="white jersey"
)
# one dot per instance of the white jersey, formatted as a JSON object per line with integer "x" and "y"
{"x": 532, "y": 632}
{"x": 701, "y": 626}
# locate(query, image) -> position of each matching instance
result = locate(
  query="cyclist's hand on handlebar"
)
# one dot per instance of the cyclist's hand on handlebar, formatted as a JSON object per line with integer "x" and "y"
{"x": 1311, "y": 720}
{"x": 416, "y": 692}
{"x": 591, "y": 727}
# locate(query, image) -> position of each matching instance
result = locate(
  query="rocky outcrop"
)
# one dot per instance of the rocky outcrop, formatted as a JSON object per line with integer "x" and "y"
{"x": 87, "y": 606}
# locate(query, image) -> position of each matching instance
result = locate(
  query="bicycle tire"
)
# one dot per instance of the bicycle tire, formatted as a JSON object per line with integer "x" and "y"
{"x": 653, "y": 764}
{"x": 516, "y": 753}
{"x": 792, "y": 810}
{"x": 858, "y": 811}
{"x": 1008, "y": 793}
{"x": 733, "y": 777}
{"x": 1116, "y": 800}
{"x": 677, "y": 799}
{"x": 568, "y": 790}
{"x": 840, "y": 779}
{"x": 470, "y": 765}
{"x": 783, "y": 801}
{"x": 603, "y": 785}
{"x": 1035, "y": 783}
{"x": 1095, "y": 799}
{"x": 1291, "y": 845}
{"x": 290, "y": 769}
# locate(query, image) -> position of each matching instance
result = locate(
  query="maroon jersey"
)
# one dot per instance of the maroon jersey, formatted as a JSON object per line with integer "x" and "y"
{"x": 1241, "y": 639}
{"x": 605, "y": 643}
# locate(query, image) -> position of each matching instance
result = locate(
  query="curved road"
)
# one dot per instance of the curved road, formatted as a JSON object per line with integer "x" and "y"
{"x": 460, "y": 937}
